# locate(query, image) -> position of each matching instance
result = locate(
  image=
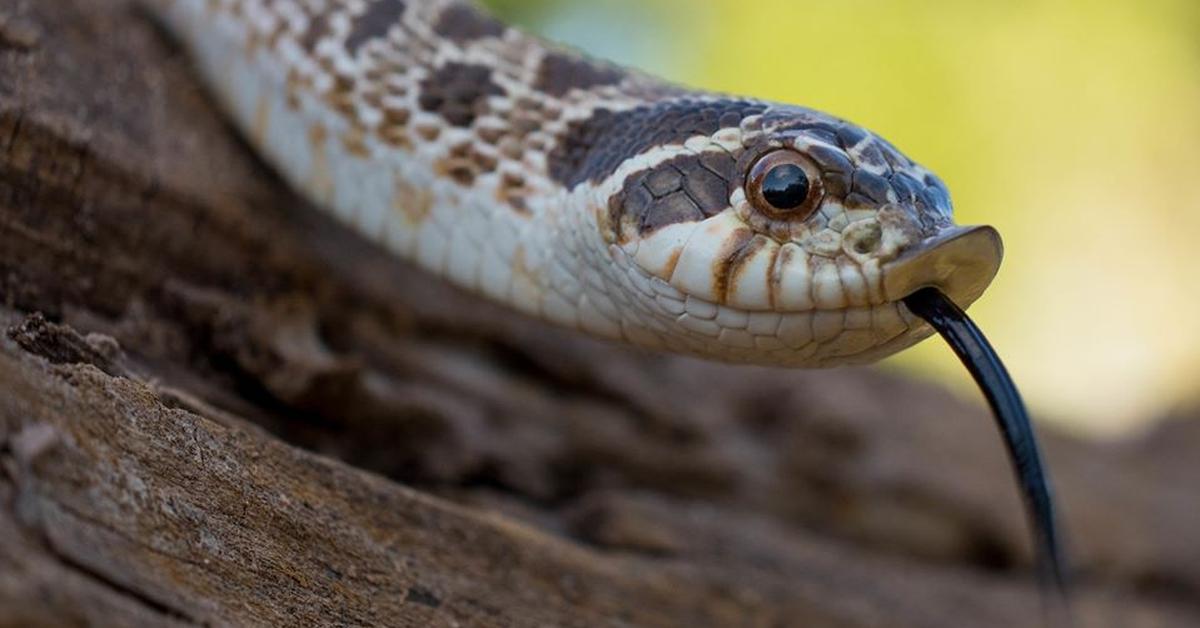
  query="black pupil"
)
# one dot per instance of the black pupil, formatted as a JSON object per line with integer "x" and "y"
{"x": 785, "y": 186}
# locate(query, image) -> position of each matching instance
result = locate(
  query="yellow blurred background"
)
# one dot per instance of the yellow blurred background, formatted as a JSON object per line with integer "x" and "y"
{"x": 1072, "y": 126}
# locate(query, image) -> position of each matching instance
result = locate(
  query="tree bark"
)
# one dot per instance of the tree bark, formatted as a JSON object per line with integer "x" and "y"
{"x": 219, "y": 407}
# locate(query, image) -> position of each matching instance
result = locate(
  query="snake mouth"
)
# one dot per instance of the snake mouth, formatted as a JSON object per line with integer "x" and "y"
{"x": 960, "y": 262}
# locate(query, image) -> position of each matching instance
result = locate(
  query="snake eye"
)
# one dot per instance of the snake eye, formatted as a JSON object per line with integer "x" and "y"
{"x": 784, "y": 184}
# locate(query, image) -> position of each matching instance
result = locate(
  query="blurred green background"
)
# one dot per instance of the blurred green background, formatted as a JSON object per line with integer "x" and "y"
{"x": 1072, "y": 126}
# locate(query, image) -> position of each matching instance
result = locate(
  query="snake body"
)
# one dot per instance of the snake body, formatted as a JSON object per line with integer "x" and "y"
{"x": 586, "y": 194}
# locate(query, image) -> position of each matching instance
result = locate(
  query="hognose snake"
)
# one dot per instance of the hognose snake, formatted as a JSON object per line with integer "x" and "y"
{"x": 589, "y": 195}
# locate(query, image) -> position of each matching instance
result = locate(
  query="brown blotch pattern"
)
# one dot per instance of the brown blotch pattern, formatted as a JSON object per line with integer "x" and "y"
{"x": 559, "y": 73}
{"x": 375, "y": 22}
{"x": 428, "y": 132}
{"x": 512, "y": 191}
{"x": 341, "y": 97}
{"x": 355, "y": 142}
{"x": 318, "y": 28}
{"x": 412, "y": 202}
{"x": 458, "y": 92}
{"x": 465, "y": 162}
{"x": 461, "y": 23}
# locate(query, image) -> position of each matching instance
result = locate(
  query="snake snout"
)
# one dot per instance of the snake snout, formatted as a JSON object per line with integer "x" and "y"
{"x": 960, "y": 261}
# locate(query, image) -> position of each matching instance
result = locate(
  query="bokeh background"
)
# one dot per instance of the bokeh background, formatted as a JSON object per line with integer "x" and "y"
{"x": 1072, "y": 126}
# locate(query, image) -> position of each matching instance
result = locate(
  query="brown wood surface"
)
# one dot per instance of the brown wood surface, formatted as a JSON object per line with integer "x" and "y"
{"x": 218, "y": 407}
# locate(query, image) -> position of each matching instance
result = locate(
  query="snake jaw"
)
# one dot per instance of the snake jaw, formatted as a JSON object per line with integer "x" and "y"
{"x": 960, "y": 261}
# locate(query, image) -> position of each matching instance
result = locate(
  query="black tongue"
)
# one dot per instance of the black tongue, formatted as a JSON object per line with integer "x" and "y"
{"x": 981, "y": 360}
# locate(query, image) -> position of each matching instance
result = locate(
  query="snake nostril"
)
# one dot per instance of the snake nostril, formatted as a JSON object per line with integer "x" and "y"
{"x": 863, "y": 238}
{"x": 866, "y": 245}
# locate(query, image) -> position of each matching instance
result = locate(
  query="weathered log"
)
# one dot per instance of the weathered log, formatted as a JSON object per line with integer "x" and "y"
{"x": 216, "y": 406}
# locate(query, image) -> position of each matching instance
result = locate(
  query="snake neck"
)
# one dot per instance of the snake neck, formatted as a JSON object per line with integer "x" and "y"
{"x": 429, "y": 126}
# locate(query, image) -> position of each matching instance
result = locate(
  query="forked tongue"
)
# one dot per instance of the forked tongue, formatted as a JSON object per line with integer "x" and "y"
{"x": 981, "y": 360}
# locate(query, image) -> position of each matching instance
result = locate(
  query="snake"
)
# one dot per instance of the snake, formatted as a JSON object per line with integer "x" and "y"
{"x": 597, "y": 197}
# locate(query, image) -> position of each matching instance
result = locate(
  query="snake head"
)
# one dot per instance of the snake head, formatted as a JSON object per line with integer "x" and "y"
{"x": 784, "y": 235}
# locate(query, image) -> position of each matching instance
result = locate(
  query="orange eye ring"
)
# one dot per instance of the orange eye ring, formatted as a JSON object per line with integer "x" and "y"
{"x": 784, "y": 184}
